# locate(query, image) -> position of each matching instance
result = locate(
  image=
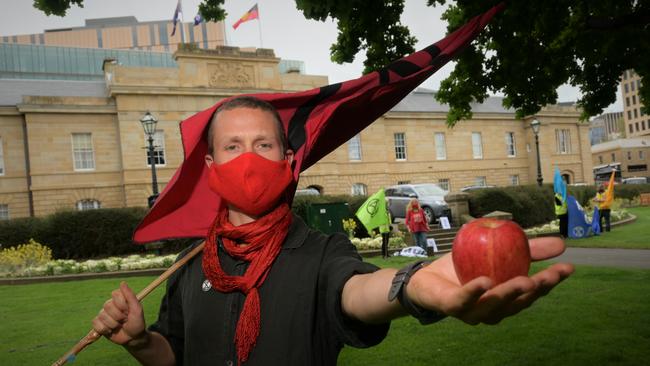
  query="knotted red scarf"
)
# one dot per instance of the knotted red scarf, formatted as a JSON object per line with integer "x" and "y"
{"x": 264, "y": 238}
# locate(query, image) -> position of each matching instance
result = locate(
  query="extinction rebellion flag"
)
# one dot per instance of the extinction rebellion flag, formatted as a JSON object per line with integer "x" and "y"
{"x": 373, "y": 213}
{"x": 316, "y": 122}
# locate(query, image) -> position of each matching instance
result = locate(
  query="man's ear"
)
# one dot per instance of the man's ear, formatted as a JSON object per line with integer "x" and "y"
{"x": 289, "y": 155}
{"x": 208, "y": 160}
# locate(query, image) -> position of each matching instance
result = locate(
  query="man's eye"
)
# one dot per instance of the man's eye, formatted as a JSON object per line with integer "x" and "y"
{"x": 266, "y": 145}
{"x": 231, "y": 147}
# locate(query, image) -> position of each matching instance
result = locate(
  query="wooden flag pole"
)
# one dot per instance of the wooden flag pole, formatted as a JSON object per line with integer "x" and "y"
{"x": 93, "y": 336}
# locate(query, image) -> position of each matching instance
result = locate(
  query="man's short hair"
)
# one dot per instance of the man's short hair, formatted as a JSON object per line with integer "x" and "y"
{"x": 251, "y": 103}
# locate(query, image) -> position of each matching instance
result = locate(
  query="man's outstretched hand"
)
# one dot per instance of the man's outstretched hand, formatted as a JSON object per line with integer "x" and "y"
{"x": 438, "y": 288}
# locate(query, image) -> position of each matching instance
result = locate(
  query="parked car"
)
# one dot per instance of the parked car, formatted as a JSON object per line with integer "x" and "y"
{"x": 635, "y": 180}
{"x": 474, "y": 188}
{"x": 430, "y": 196}
{"x": 307, "y": 192}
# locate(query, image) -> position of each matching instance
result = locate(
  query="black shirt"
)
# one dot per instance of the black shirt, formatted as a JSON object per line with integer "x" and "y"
{"x": 300, "y": 304}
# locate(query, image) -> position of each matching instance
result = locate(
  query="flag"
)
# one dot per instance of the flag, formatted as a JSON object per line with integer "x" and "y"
{"x": 579, "y": 227}
{"x": 177, "y": 15}
{"x": 595, "y": 222}
{"x": 249, "y": 15}
{"x": 609, "y": 193}
{"x": 315, "y": 121}
{"x": 197, "y": 19}
{"x": 373, "y": 212}
{"x": 559, "y": 185}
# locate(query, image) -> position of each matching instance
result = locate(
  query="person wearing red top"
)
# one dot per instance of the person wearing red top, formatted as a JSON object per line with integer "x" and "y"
{"x": 416, "y": 222}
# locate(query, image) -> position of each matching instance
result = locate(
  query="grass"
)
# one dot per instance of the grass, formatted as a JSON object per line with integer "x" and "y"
{"x": 629, "y": 236}
{"x": 597, "y": 317}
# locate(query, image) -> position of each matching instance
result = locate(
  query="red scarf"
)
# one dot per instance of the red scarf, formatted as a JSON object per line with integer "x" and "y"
{"x": 264, "y": 238}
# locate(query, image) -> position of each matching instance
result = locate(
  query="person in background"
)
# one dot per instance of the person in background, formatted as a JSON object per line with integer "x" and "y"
{"x": 561, "y": 212}
{"x": 603, "y": 208}
{"x": 416, "y": 222}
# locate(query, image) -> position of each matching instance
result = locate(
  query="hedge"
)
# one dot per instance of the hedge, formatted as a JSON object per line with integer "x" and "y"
{"x": 530, "y": 205}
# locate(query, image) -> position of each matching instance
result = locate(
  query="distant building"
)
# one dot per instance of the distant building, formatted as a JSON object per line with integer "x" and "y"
{"x": 127, "y": 33}
{"x": 606, "y": 127}
{"x": 629, "y": 156}
{"x": 637, "y": 122}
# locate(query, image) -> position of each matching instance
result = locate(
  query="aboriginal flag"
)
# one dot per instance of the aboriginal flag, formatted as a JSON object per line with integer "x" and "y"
{"x": 253, "y": 13}
{"x": 316, "y": 122}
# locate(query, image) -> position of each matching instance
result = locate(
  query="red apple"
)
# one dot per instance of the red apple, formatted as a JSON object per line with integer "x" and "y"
{"x": 489, "y": 247}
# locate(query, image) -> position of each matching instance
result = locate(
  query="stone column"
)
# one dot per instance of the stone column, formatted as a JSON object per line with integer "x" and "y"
{"x": 459, "y": 205}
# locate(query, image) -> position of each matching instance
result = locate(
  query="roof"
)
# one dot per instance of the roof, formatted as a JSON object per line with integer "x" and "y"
{"x": 630, "y": 143}
{"x": 13, "y": 90}
{"x": 423, "y": 100}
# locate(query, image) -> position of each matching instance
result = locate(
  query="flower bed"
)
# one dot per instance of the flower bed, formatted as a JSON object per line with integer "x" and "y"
{"x": 554, "y": 226}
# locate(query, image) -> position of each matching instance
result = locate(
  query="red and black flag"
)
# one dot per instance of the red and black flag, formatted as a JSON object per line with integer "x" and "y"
{"x": 316, "y": 121}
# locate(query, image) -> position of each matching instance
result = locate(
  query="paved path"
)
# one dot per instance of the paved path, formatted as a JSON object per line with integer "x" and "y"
{"x": 629, "y": 258}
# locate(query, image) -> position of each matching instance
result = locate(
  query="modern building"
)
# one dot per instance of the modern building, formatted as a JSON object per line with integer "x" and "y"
{"x": 629, "y": 156}
{"x": 606, "y": 127}
{"x": 127, "y": 33}
{"x": 637, "y": 122}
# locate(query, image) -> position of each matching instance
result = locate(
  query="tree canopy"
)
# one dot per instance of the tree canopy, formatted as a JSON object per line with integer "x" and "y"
{"x": 526, "y": 52}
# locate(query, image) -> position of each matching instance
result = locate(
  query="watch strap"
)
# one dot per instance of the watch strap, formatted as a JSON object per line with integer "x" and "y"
{"x": 397, "y": 291}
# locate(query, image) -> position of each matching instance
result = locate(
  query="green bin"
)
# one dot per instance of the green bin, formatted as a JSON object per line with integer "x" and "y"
{"x": 328, "y": 217}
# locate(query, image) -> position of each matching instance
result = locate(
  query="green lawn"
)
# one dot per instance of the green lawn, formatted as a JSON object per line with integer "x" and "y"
{"x": 599, "y": 316}
{"x": 630, "y": 236}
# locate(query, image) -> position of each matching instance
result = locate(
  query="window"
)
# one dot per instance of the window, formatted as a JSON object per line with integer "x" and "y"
{"x": 82, "y": 151}
{"x": 403, "y": 182}
{"x": 480, "y": 181}
{"x": 359, "y": 189}
{"x": 613, "y": 157}
{"x": 636, "y": 114}
{"x": 354, "y": 148}
{"x": 629, "y": 155}
{"x": 563, "y": 141}
{"x": 4, "y": 212}
{"x": 632, "y": 86}
{"x": 629, "y": 114}
{"x": 400, "y": 146}
{"x": 441, "y": 146}
{"x": 636, "y": 126}
{"x": 444, "y": 184}
{"x": 477, "y": 145}
{"x": 84, "y": 205}
{"x": 626, "y": 88}
{"x": 514, "y": 180}
{"x": 627, "y": 101}
{"x": 641, "y": 155}
{"x": 158, "y": 148}
{"x": 600, "y": 159}
{"x": 633, "y": 99}
{"x": 630, "y": 127}
{"x": 2, "y": 160}
{"x": 510, "y": 144}
{"x": 637, "y": 168}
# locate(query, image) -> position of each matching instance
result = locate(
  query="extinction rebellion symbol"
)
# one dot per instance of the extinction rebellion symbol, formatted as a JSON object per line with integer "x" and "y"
{"x": 372, "y": 207}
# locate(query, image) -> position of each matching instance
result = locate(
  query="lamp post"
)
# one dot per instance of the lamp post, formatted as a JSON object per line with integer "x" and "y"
{"x": 149, "y": 125}
{"x": 535, "y": 124}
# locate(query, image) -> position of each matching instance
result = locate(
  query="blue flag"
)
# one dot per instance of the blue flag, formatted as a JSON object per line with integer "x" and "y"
{"x": 579, "y": 227}
{"x": 595, "y": 222}
{"x": 559, "y": 185}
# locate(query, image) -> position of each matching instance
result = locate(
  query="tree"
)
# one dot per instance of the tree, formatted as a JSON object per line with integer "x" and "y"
{"x": 526, "y": 53}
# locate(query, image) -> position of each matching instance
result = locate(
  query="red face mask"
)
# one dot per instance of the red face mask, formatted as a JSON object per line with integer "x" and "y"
{"x": 251, "y": 182}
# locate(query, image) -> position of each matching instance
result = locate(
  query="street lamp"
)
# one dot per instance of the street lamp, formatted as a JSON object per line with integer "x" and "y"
{"x": 535, "y": 124}
{"x": 149, "y": 125}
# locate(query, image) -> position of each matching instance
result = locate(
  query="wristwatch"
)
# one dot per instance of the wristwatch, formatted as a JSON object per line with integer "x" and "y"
{"x": 397, "y": 291}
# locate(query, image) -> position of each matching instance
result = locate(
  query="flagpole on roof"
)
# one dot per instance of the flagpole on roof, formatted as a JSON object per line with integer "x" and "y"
{"x": 259, "y": 24}
{"x": 181, "y": 22}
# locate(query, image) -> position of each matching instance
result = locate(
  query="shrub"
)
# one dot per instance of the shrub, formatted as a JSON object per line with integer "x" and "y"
{"x": 529, "y": 205}
{"x": 16, "y": 258}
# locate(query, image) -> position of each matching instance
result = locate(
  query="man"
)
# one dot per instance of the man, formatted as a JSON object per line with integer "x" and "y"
{"x": 603, "y": 209}
{"x": 295, "y": 296}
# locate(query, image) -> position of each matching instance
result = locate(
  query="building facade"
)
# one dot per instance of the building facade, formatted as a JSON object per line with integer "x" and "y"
{"x": 78, "y": 144}
{"x": 606, "y": 127}
{"x": 629, "y": 156}
{"x": 637, "y": 122}
{"x": 412, "y": 144}
{"x": 127, "y": 33}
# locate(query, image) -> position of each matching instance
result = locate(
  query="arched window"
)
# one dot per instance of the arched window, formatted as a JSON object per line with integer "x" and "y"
{"x": 88, "y": 205}
{"x": 359, "y": 189}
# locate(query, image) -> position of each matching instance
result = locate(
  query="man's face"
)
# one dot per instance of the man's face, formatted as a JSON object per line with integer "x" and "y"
{"x": 241, "y": 130}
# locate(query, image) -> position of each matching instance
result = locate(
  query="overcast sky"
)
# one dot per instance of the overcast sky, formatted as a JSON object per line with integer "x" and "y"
{"x": 283, "y": 28}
